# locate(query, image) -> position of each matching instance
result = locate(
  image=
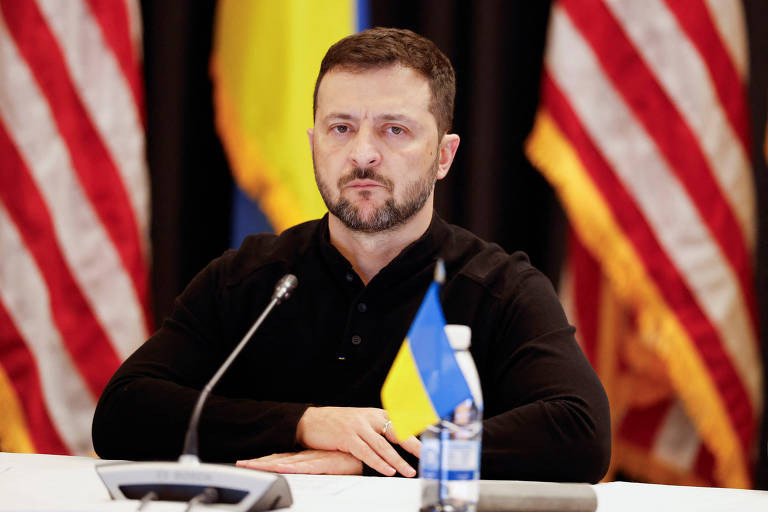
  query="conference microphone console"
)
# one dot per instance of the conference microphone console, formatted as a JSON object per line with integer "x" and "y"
{"x": 230, "y": 487}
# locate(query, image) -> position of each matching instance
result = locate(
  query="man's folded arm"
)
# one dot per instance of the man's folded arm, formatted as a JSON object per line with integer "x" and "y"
{"x": 143, "y": 417}
{"x": 145, "y": 408}
{"x": 547, "y": 440}
{"x": 547, "y": 414}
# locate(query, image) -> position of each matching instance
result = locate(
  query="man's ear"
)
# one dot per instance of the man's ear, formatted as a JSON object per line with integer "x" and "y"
{"x": 448, "y": 147}
{"x": 310, "y": 134}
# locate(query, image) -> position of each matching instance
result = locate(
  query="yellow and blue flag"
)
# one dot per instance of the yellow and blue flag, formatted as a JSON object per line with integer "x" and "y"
{"x": 265, "y": 59}
{"x": 425, "y": 382}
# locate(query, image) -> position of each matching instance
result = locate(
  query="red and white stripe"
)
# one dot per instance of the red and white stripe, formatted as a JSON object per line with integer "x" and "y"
{"x": 74, "y": 208}
{"x": 652, "y": 96}
{"x": 659, "y": 38}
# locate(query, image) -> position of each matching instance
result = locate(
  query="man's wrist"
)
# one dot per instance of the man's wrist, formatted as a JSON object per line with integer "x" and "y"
{"x": 301, "y": 426}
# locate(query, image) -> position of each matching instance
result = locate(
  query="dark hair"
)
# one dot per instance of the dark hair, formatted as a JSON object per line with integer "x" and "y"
{"x": 382, "y": 47}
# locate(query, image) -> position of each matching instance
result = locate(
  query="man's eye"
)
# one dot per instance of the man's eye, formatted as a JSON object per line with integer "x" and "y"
{"x": 340, "y": 128}
{"x": 396, "y": 130}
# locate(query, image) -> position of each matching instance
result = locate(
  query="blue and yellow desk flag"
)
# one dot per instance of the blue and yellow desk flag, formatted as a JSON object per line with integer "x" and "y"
{"x": 425, "y": 382}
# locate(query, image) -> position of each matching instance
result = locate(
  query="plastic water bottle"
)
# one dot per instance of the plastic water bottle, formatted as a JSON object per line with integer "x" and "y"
{"x": 449, "y": 466}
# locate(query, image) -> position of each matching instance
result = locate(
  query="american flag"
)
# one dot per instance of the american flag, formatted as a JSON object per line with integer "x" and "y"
{"x": 643, "y": 131}
{"x": 74, "y": 215}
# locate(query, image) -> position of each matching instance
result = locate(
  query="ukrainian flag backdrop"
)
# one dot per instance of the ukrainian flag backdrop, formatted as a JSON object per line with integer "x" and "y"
{"x": 266, "y": 56}
{"x": 425, "y": 382}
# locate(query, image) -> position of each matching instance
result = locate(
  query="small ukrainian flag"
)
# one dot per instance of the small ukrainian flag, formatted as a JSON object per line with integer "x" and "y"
{"x": 425, "y": 382}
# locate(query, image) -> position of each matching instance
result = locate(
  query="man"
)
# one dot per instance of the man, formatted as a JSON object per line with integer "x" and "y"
{"x": 304, "y": 394}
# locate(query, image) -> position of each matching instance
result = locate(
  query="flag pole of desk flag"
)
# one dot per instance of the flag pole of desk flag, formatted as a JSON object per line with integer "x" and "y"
{"x": 643, "y": 130}
{"x": 425, "y": 382}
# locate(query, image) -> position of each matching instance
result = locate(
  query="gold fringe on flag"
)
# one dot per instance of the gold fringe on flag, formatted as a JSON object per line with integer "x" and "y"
{"x": 14, "y": 432}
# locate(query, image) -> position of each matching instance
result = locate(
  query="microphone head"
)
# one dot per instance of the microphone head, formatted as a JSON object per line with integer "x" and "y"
{"x": 284, "y": 287}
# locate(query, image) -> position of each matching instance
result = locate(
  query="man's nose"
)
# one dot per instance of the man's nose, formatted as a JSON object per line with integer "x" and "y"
{"x": 365, "y": 152}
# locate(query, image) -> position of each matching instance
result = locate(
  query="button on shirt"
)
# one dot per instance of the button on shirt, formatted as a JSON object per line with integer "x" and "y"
{"x": 333, "y": 342}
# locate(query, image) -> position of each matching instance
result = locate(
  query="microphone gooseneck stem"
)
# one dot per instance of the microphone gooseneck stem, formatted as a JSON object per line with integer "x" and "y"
{"x": 282, "y": 292}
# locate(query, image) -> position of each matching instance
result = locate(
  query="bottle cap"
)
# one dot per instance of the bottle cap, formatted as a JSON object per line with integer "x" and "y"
{"x": 459, "y": 336}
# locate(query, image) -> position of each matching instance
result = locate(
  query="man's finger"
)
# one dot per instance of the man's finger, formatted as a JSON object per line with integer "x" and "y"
{"x": 412, "y": 445}
{"x": 306, "y": 467}
{"x": 318, "y": 462}
{"x": 257, "y": 464}
{"x": 270, "y": 461}
{"x": 275, "y": 465}
{"x": 268, "y": 458}
{"x": 389, "y": 454}
{"x": 360, "y": 449}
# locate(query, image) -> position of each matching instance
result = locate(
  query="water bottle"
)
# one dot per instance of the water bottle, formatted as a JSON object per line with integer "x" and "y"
{"x": 449, "y": 466}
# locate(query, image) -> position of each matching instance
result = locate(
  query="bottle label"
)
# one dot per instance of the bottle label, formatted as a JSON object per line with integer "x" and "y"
{"x": 460, "y": 459}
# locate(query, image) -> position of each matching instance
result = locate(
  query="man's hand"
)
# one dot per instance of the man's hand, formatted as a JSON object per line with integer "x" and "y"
{"x": 310, "y": 462}
{"x": 358, "y": 432}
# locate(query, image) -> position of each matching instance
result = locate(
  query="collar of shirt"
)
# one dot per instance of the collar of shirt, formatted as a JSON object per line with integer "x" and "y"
{"x": 413, "y": 259}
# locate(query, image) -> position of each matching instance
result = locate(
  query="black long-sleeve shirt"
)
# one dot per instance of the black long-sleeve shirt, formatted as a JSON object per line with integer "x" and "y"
{"x": 333, "y": 342}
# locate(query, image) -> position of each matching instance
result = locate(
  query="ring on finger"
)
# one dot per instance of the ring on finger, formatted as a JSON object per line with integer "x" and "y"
{"x": 385, "y": 428}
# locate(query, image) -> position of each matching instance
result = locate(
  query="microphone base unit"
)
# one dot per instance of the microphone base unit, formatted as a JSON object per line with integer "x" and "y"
{"x": 237, "y": 489}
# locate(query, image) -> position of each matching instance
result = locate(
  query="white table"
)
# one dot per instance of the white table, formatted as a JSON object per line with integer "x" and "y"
{"x": 51, "y": 482}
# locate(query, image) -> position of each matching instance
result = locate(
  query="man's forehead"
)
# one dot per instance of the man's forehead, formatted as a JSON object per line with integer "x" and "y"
{"x": 389, "y": 79}
{"x": 396, "y": 86}
{"x": 394, "y": 67}
{"x": 385, "y": 116}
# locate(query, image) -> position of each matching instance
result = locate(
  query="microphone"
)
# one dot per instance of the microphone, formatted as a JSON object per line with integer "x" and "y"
{"x": 283, "y": 290}
{"x": 284, "y": 287}
{"x": 236, "y": 489}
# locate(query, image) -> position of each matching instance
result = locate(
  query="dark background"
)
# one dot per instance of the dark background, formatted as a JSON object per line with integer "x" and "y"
{"x": 496, "y": 48}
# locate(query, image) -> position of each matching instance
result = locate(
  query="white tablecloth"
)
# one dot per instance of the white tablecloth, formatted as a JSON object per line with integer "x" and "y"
{"x": 50, "y": 482}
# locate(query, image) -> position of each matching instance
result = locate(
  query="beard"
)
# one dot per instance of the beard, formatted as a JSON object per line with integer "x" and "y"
{"x": 387, "y": 216}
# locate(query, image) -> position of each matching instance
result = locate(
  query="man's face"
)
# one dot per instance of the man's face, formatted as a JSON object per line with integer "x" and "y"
{"x": 375, "y": 146}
